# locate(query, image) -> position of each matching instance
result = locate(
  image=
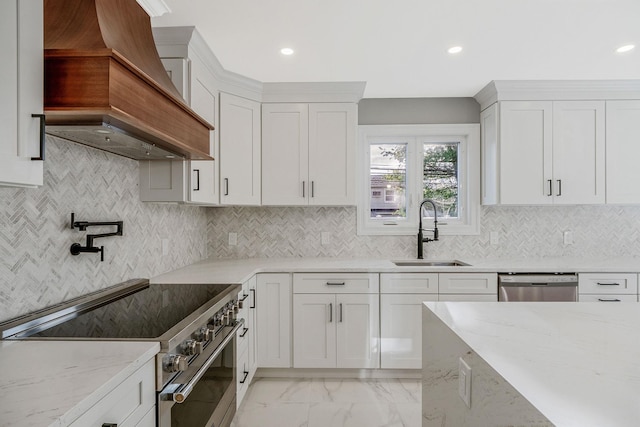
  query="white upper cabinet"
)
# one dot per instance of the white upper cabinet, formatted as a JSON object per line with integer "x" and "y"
{"x": 21, "y": 85}
{"x": 186, "y": 181}
{"x": 623, "y": 152}
{"x": 560, "y": 142}
{"x": 239, "y": 150}
{"x": 543, "y": 152}
{"x": 578, "y": 152}
{"x": 308, "y": 153}
{"x": 524, "y": 141}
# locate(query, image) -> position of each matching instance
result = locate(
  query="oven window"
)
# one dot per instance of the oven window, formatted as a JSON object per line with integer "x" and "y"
{"x": 212, "y": 396}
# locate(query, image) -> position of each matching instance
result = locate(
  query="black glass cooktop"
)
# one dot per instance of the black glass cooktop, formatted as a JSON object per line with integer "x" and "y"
{"x": 146, "y": 313}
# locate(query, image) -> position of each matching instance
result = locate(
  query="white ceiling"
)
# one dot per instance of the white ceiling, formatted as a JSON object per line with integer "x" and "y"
{"x": 399, "y": 47}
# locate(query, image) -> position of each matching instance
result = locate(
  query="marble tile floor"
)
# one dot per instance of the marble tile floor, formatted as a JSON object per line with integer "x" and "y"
{"x": 274, "y": 402}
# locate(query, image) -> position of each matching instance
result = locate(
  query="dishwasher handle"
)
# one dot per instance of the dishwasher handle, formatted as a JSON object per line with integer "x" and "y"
{"x": 538, "y": 279}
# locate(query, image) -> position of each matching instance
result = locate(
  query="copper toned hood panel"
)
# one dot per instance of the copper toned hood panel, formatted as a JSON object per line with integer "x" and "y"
{"x": 106, "y": 87}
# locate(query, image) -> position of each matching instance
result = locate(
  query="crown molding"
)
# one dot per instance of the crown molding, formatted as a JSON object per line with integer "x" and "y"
{"x": 154, "y": 7}
{"x": 313, "y": 92}
{"x": 186, "y": 42}
{"x": 556, "y": 90}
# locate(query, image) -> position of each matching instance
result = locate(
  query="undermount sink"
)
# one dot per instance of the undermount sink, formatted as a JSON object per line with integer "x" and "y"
{"x": 430, "y": 263}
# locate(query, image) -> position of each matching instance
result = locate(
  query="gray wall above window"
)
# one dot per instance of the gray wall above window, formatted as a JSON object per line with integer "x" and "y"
{"x": 403, "y": 111}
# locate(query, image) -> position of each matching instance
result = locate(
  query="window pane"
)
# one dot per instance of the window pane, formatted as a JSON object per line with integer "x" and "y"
{"x": 388, "y": 179}
{"x": 440, "y": 177}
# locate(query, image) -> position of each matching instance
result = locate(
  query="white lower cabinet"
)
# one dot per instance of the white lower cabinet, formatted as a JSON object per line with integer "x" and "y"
{"x": 607, "y": 287}
{"x": 336, "y": 321}
{"x": 401, "y": 330}
{"x": 245, "y": 340}
{"x": 273, "y": 310}
{"x": 401, "y": 298}
{"x": 130, "y": 404}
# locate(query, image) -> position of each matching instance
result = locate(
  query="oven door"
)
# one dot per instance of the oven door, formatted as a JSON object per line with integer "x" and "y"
{"x": 206, "y": 396}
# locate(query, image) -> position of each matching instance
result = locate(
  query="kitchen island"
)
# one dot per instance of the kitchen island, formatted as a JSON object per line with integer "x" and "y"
{"x": 532, "y": 364}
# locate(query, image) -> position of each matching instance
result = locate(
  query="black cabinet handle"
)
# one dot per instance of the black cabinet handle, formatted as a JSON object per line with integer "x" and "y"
{"x": 244, "y": 332}
{"x": 42, "y": 133}
{"x": 226, "y": 186}
{"x": 253, "y": 299}
{"x": 246, "y": 374}
{"x": 109, "y": 425}
{"x": 197, "y": 171}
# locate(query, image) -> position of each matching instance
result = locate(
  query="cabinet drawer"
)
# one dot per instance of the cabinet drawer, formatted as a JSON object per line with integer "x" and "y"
{"x": 336, "y": 283}
{"x": 468, "y": 283}
{"x": 607, "y": 298}
{"x": 468, "y": 297}
{"x": 409, "y": 283}
{"x": 593, "y": 283}
{"x": 125, "y": 405}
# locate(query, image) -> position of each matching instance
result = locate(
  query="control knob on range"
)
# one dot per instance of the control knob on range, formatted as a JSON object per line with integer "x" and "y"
{"x": 191, "y": 347}
{"x": 175, "y": 363}
{"x": 204, "y": 334}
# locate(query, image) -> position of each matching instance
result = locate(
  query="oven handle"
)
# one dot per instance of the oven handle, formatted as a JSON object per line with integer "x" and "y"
{"x": 183, "y": 392}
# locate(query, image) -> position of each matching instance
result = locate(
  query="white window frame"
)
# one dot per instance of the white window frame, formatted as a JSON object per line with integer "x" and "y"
{"x": 415, "y": 135}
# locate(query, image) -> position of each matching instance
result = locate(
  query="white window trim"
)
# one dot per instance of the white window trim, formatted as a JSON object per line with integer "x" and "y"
{"x": 469, "y": 177}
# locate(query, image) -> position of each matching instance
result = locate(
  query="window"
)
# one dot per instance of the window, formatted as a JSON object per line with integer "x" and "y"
{"x": 403, "y": 164}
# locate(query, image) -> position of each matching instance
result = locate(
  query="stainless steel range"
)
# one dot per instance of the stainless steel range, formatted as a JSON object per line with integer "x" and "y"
{"x": 194, "y": 324}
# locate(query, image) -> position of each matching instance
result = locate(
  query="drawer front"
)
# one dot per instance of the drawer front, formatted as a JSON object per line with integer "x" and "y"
{"x": 127, "y": 404}
{"x": 468, "y": 283}
{"x": 593, "y": 283}
{"x": 336, "y": 283}
{"x": 607, "y": 298}
{"x": 242, "y": 376}
{"x": 409, "y": 283}
{"x": 468, "y": 297}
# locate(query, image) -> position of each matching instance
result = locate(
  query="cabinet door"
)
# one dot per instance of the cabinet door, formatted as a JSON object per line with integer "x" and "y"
{"x": 314, "y": 331}
{"x": 490, "y": 159}
{"x": 285, "y": 154}
{"x": 203, "y": 177}
{"x": 332, "y": 145}
{"x": 240, "y": 138}
{"x": 21, "y": 86}
{"x": 578, "y": 152}
{"x": 623, "y": 151}
{"x": 401, "y": 331}
{"x": 358, "y": 333}
{"x": 273, "y": 309}
{"x": 525, "y": 153}
{"x": 253, "y": 336}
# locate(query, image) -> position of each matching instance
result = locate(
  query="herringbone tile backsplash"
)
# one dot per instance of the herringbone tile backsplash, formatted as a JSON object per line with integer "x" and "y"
{"x": 598, "y": 231}
{"x": 36, "y": 268}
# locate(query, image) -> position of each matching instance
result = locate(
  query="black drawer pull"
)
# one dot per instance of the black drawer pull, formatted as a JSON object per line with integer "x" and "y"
{"x": 246, "y": 374}
{"x": 244, "y": 332}
{"x": 609, "y": 300}
{"x": 608, "y": 284}
{"x": 335, "y": 283}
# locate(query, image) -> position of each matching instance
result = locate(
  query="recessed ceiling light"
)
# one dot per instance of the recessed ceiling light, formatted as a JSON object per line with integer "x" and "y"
{"x": 286, "y": 51}
{"x": 625, "y": 48}
{"x": 455, "y": 49}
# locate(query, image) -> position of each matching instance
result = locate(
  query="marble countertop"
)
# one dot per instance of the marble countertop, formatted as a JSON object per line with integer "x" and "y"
{"x": 239, "y": 270}
{"x": 578, "y": 364}
{"x": 51, "y": 383}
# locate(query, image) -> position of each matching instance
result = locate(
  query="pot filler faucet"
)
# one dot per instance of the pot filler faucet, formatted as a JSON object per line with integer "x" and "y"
{"x": 421, "y": 238}
{"x": 77, "y": 248}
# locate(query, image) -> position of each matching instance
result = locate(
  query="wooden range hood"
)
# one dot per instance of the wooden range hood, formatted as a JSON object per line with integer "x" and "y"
{"x": 105, "y": 85}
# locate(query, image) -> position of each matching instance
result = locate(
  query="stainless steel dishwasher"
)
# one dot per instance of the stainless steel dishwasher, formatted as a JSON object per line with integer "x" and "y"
{"x": 537, "y": 287}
